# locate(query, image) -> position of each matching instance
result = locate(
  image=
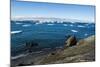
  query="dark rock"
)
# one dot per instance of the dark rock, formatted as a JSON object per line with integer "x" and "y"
{"x": 30, "y": 45}
{"x": 20, "y": 64}
{"x": 71, "y": 41}
{"x": 23, "y": 64}
{"x": 53, "y": 53}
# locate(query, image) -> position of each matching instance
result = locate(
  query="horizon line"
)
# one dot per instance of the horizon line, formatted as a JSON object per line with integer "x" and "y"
{"x": 41, "y": 17}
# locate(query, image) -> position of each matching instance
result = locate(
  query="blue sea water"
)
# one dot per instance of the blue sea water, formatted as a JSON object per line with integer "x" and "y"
{"x": 47, "y": 35}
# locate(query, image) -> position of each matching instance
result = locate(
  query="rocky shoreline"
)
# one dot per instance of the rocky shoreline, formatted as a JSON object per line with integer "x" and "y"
{"x": 73, "y": 51}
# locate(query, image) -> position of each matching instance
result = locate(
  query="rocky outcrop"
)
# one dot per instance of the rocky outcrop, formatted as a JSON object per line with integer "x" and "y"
{"x": 84, "y": 51}
{"x": 30, "y": 45}
{"x": 89, "y": 40}
{"x": 71, "y": 41}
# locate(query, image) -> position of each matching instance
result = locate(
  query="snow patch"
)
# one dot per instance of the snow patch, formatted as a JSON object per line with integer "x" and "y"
{"x": 14, "y": 32}
{"x": 74, "y": 30}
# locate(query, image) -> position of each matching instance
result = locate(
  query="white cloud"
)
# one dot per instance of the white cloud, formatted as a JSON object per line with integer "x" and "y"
{"x": 84, "y": 2}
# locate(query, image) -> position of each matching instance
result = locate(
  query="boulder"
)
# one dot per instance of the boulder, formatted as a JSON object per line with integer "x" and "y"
{"x": 71, "y": 41}
{"x": 30, "y": 45}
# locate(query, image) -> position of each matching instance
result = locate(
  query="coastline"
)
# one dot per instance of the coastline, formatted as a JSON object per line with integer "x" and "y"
{"x": 31, "y": 57}
{"x": 83, "y": 51}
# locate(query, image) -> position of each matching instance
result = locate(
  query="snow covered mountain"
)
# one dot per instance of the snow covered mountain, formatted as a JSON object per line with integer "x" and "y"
{"x": 48, "y": 20}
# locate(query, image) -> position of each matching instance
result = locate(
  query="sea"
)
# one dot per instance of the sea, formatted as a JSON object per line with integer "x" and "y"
{"x": 46, "y": 35}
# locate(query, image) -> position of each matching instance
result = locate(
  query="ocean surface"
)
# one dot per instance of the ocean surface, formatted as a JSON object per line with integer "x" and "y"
{"x": 46, "y": 35}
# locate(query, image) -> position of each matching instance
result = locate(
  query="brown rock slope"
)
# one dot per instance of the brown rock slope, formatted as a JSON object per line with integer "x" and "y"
{"x": 84, "y": 51}
{"x": 71, "y": 41}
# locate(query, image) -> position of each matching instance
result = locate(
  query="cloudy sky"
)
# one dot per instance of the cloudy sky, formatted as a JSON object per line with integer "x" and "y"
{"x": 37, "y": 9}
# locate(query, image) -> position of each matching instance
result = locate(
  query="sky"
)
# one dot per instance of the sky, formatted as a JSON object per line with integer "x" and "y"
{"x": 39, "y": 9}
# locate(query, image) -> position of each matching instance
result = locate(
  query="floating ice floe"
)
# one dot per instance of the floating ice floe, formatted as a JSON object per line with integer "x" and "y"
{"x": 21, "y": 55}
{"x": 37, "y": 23}
{"x": 14, "y": 32}
{"x": 65, "y": 24}
{"x": 86, "y": 34}
{"x": 87, "y": 24}
{"x": 74, "y": 30}
{"x": 50, "y": 24}
{"x": 18, "y": 23}
{"x": 26, "y": 25}
{"x": 80, "y": 26}
{"x": 71, "y": 25}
